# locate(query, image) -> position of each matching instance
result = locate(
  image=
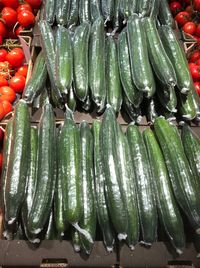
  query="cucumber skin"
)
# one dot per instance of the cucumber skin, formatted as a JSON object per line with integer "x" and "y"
{"x": 186, "y": 106}
{"x": 95, "y": 9}
{"x": 144, "y": 185}
{"x": 62, "y": 12}
{"x": 179, "y": 171}
{"x": 165, "y": 15}
{"x": 84, "y": 11}
{"x": 143, "y": 8}
{"x": 73, "y": 16}
{"x": 107, "y": 8}
{"x": 168, "y": 210}
{"x": 18, "y": 165}
{"x": 88, "y": 219}
{"x": 49, "y": 11}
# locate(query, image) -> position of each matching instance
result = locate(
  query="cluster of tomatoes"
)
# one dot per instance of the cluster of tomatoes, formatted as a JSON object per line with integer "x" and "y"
{"x": 186, "y": 13}
{"x": 194, "y": 66}
{"x": 13, "y": 74}
{"x": 17, "y": 15}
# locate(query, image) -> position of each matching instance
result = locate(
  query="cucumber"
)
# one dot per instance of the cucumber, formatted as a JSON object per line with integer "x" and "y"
{"x": 140, "y": 66}
{"x": 177, "y": 57}
{"x": 63, "y": 61}
{"x": 15, "y": 184}
{"x": 101, "y": 205}
{"x": 115, "y": 198}
{"x": 62, "y": 11}
{"x": 179, "y": 171}
{"x": 84, "y": 11}
{"x": 75, "y": 240}
{"x": 88, "y": 219}
{"x": 113, "y": 83}
{"x": 71, "y": 99}
{"x": 186, "y": 106}
{"x": 144, "y": 185}
{"x": 97, "y": 64}
{"x": 191, "y": 144}
{"x": 44, "y": 191}
{"x": 168, "y": 210}
{"x": 128, "y": 186}
{"x": 107, "y": 8}
{"x": 159, "y": 59}
{"x": 86, "y": 105}
{"x": 95, "y": 9}
{"x": 116, "y": 17}
{"x": 144, "y": 7}
{"x": 152, "y": 113}
{"x": 74, "y": 13}
{"x": 36, "y": 83}
{"x": 133, "y": 113}
{"x": 50, "y": 232}
{"x": 165, "y": 16}
{"x": 133, "y": 94}
{"x": 80, "y": 52}
{"x": 126, "y": 9}
{"x": 50, "y": 10}
{"x": 155, "y": 6}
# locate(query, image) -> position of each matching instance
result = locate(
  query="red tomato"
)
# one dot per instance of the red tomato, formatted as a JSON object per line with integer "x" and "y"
{"x": 10, "y": 3}
{"x": 3, "y": 81}
{"x": 7, "y": 93}
{"x": 9, "y": 15}
{"x": 2, "y": 29}
{"x": 24, "y": 7}
{"x": 175, "y": 7}
{"x": 19, "y": 29}
{"x": 5, "y": 69}
{"x": 194, "y": 56}
{"x": 197, "y": 32}
{"x": 7, "y": 106}
{"x": 3, "y": 54}
{"x": 2, "y": 113}
{"x": 196, "y": 4}
{"x": 1, "y": 161}
{"x": 198, "y": 62}
{"x": 1, "y": 134}
{"x": 189, "y": 27}
{"x": 189, "y": 9}
{"x": 197, "y": 87}
{"x": 15, "y": 57}
{"x": 195, "y": 72}
{"x": 35, "y": 4}
{"x": 23, "y": 70}
{"x": 182, "y": 17}
{"x": 17, "y": 83}
{"x": 26, "y": 18}
{"x": 1, "y": 40}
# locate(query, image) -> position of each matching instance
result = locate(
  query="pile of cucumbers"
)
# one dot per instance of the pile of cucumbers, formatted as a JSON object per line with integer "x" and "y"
{"x": 58, "y": 182}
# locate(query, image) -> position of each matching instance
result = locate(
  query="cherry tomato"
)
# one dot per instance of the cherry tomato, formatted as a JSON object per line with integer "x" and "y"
{"x": 17, "y": 83}
{"x": 3, "y": 54}
{"x": 15, "y": 57}
{"x": 197, "y": 87}
{"x": 2, "y": 113}
{"x": 197, "y": 31}
{"x": 7, "y": 93}
{"x": 5, "y": 69}
{"x": 1, "y": 40}
{"x": 19, "y": 29}
{"x": 198, "y": 62}
{"x": 7, "y": 106}
{"x": 25, "y": 6}
{"x": 23, "y": 70}
{"x": 196, "y": 4}
{"x": 9, "y": 15}
{"x": 3, "y": 81}
{"x": 35, "y": 4}
{"x": 194, "y": 56}
{"x": 175, "y": 7}
{"x": 189, "y": 9}
{"x": 189, "y": 27}
{"x": 182, "y": 17}
{"x": 1, "y": 134}
{"x": 26, "y": 18}
{"x": 195, "y": 72}
{"x": 2, "y": 29}
{"x": 11, "y": 3}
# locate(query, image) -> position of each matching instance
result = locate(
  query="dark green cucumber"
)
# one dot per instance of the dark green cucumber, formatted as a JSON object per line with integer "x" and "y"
{"x": 114, "y": 195}
{"x": 113, "y": 83}
{"x": 62, "y": 11}
{"x": 86, "y": 105}
{"x": 84, "y": 11}
{"x": 44, "y": 191}
{"x": 107, "y": 8}
{"x": 159, "y": 59}
{"x": 126, "y": 9}
{"x": 140, "y": 66}
{"x": 167, "y": 207}
{"x": 133, "y": 94}
{"x": 155, "y": 6}
{"x": 6, "y": 158}
{"x": 75, "y": 240}
{"x": 80, "y": 48}
{"x": 186, "y": 106}
{"x": 128, "y": 185}
{"x": 97, "y": 64}
{"x": 49, "y": 11}
{"x": 165, "y": 15}
{"x": 71, "y": 99}
{"x": 144, "y": 7}
{"x": 144, "y": 183}
{"x": 95, "y": 9}
{"x": 73, "y": 16}
{"x": 133, "y": 113}
{"x": 191, "y": 144}
{"x": 64, "y": 60}
{"x": 37, "y": 81}
{"x": 15, "y": 184}
{"x": 48, "y": 46}
{"x": 116, "y": 17}
{"x": 101, "y": 205}
{"x": 70, "y": 169}
{"x": 177, "y": 57}
{"x": 88, "y": 219}
{"x": 180, "y": 173}
{"x": 50, "y": 232}
{"x": 152, "y": 113}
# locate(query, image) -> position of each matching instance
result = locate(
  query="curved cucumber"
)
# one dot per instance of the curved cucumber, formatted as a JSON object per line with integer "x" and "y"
{"x": 113, "y": 83}
{"x": 74, "y": 13}
{"x": 71, "y": 99}
{"x": 165, "y": 15}
{"x": 186, "y": 106}
{"x": 97, "y": 64}
{"x": 84, "y": 11}
{"x": 168, "y": 210}
{"x": 62, "y": 12}
{"x": 50, "y": 10}
{"x": 76, "y": 240}
{"x": 144, "y": 183}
